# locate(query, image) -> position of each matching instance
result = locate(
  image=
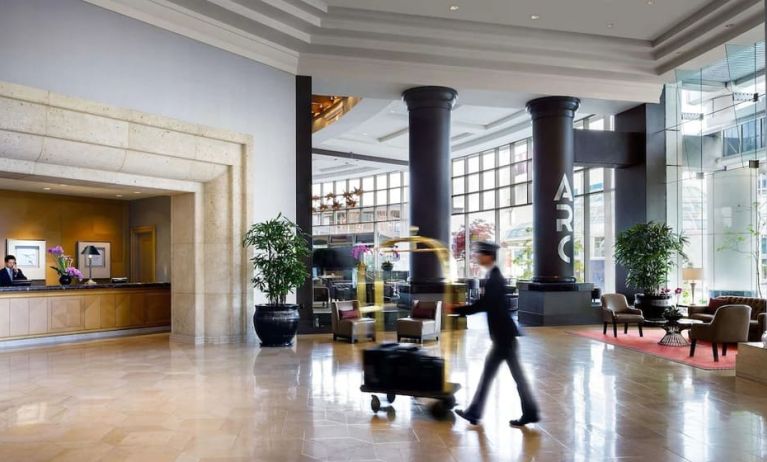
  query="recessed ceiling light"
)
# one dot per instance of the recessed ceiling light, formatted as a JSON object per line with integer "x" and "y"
{"x": 651, "y": 2}
{"x": 136, "y": 192}
{"x": 118, "y": 195}
{"x": 535, "y": 17}
{"x": 610, "y": 25}
{"x": 454, "y": 7}
{"x": 47, "y": 189}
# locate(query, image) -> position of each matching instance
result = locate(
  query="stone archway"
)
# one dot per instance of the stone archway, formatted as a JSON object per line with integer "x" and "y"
{"x": 43, "y": 134}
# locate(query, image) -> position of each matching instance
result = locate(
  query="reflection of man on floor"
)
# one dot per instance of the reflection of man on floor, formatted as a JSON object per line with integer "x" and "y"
{"x": 10, "y": 272}
{"x": 503, "y": 332}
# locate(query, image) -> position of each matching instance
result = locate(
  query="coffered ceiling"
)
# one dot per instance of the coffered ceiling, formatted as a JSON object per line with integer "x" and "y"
{"x": 494, "y": 52}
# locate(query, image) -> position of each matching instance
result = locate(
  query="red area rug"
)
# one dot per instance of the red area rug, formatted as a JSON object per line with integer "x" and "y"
{"x": 703, "y": 359}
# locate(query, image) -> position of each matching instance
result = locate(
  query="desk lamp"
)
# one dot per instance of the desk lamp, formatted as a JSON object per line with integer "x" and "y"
{"x": 90, "y": 251}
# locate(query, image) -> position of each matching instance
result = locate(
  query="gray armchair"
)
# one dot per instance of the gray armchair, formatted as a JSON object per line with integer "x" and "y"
{"x": 351, "y": 328}
{"x": 616, "y": 310}
{"x": 730, "y": 325}
{"x": 424, "y": 322}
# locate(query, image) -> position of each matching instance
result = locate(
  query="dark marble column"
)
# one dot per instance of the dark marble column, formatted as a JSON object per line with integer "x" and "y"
{"x": 429, "y": 109}
{"x": 303, "y": 174}
{"x": 553, "y": 208}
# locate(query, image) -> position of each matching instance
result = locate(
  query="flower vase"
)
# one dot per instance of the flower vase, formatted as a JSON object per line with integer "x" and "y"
{"x": 65, "y": 280}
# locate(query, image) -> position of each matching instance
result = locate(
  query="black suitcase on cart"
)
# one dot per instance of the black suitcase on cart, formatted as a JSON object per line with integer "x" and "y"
{"x": 395, "y": 369}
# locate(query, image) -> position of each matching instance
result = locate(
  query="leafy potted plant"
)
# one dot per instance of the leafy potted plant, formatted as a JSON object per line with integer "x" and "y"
{"x": 279, "y": 266}
{"x": 389, "y": 257}
{"x": 648, "y": 252}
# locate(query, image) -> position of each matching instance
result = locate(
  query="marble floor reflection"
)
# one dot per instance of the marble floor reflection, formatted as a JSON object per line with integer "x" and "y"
{"x": 147, "y": 399}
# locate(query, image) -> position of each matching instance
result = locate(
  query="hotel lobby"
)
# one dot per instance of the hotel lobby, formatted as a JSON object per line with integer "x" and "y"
{"x": 299, "y": 230}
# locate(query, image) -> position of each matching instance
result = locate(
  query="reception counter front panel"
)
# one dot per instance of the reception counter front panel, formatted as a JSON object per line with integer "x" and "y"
{"x": 29, "y": 312}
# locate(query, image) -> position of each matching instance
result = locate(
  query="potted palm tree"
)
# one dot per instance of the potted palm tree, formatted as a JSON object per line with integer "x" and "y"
{"x": 279, "y": 267}
{"x": 648, "y": 251}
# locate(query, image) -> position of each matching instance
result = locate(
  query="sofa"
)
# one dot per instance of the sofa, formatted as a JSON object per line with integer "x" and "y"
{"x": 757, "y": 324}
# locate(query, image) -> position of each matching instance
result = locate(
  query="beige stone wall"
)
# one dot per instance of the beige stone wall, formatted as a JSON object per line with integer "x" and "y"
{"x": 206, "y": 170}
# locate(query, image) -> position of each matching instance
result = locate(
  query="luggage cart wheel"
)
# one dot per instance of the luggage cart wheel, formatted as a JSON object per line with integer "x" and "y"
{"x": 375, "y": 403}
{"x": 439, "y": 410}
{"x": 390, "y": 397}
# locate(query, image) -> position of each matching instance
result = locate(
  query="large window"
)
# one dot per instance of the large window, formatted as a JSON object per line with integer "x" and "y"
{"x": 372, "y": 204}
{"x": 492, "y": 200}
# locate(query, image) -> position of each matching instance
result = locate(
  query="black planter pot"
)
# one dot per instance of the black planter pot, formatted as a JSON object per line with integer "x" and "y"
{"x": 65, "y": 280}
{"x": 652, "y": 306}
{"x": 276, "y": 325}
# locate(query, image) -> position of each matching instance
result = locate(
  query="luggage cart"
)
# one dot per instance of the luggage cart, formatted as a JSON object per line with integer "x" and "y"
{"x": 445, "y": 399}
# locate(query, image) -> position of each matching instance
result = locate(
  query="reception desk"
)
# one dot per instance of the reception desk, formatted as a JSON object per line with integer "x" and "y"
{"x": 44, "y": 311}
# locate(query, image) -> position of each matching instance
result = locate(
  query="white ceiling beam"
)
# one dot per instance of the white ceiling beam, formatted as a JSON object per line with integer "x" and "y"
{"x": 262, "y": 18}
{"x": 169, "y": 16}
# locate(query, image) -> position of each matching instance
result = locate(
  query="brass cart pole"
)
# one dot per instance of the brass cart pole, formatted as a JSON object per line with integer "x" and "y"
{"x": 443, "y": 255}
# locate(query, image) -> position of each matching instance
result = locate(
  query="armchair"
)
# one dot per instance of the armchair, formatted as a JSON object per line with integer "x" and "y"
{"x": 730, "y": 325}
{"x": 757, "y": 322}
{"x": 347, "y": 322}
{"x": 616, "y": 310}
{"x": 424, "y": 322}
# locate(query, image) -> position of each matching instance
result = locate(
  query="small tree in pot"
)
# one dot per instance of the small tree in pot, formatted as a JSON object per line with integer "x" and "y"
{"x": 648, "y": 252}
{"x": 279, "y": 265}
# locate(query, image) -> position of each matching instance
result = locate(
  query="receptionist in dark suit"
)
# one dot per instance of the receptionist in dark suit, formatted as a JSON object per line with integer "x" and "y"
{"x": 10, "y": 272}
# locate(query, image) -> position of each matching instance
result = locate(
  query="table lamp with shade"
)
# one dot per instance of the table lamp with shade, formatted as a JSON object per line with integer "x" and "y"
{"x": 692, "y": 274}
{"x": 90, "y": 251}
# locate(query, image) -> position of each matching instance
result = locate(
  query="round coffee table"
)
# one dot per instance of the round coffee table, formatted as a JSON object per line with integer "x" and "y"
{"x": 674, "y": 330}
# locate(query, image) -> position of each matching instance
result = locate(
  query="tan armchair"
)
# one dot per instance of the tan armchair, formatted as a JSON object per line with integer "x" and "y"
{"x": 616, "y": 310}
{"x": 351, "y": 329}
{"x": 424, "y": 322}
{"x": 730, "y": 325}
{"x": 757, "y": 322}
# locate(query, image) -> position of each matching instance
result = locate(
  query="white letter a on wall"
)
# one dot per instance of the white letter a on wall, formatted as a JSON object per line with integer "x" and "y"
{"x": 564, "y": 191}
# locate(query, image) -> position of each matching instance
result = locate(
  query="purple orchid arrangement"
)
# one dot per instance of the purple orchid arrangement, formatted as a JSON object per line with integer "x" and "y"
{"x": 360, "y": 251}
{"x": 64, "y": 263}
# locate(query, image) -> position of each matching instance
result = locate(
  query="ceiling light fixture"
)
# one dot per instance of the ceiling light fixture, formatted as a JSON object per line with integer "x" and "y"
{"x": 47, "y": 189}
{"x": 136, "y": 192}
{"x": 651, "y": 2}
{"x": 535, "y": 17}
{"x": 610, "y": 25}
{"x": 454, "y": 7}
{"x": 118, "y": 195}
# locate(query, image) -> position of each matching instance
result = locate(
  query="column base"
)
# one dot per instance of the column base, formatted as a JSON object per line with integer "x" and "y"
{"x": 556, "y": 304}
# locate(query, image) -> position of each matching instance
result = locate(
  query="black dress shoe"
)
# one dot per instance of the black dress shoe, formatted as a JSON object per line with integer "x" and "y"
{"x": 465, "y": 415}
{"x": 524, "y": 420}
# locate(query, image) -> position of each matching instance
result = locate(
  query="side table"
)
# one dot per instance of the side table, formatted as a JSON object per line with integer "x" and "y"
{"x": 674, "y": 330}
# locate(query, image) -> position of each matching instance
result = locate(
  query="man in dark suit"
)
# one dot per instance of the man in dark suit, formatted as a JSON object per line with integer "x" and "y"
{"x": 503, "y": 333}
{"x": 10, "y": 272}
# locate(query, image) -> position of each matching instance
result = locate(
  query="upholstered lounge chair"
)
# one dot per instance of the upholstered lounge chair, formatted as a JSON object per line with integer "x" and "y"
{"x": 730, "y": 325}
{"x": 616, "y": 310}
{"x": 757, "y": 324}
{"x": 348, "y": 323}
{"x": 424, "y": 322}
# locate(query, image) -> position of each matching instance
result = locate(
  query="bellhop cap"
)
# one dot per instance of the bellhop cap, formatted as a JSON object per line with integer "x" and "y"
{"x": 486, "y": 248}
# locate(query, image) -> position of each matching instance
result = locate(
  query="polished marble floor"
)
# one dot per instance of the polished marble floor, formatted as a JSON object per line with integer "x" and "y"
{"x": 147, "y": 399}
